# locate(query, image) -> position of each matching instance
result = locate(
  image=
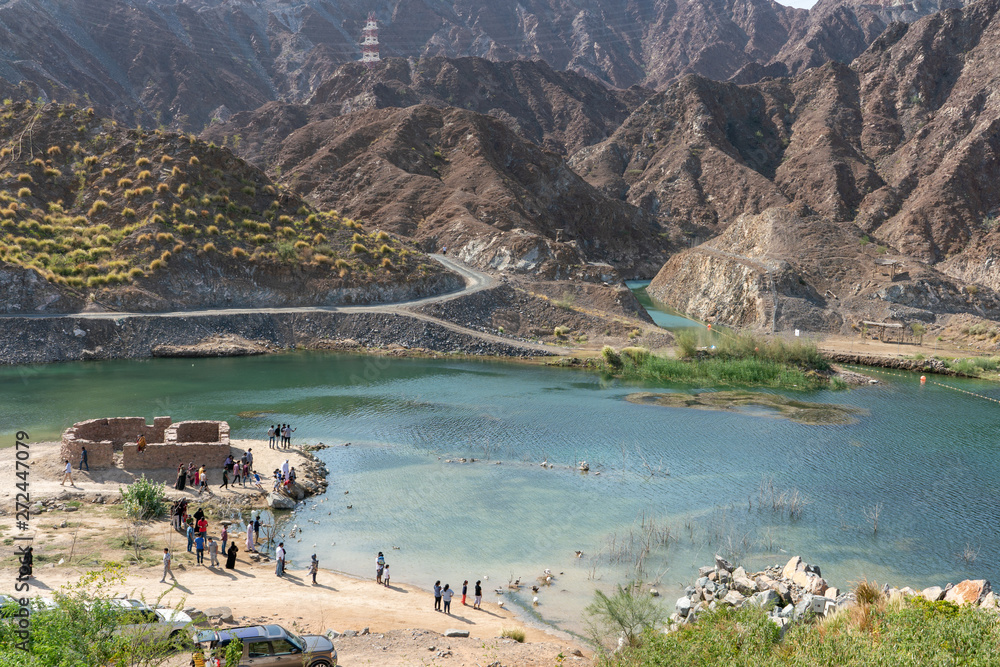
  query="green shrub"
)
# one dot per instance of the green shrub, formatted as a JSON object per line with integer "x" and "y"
{"x": 517, "y": 634}
{"x": 143, "y": 499}
{"x": 628, "y": 613}
{"x": 611, "y": 358}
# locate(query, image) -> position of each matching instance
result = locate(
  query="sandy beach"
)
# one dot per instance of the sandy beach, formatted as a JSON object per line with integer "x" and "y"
{"x": 82, "y": 529}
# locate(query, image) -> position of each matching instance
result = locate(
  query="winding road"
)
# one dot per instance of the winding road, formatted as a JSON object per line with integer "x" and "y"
{"x": 475, "y": 281}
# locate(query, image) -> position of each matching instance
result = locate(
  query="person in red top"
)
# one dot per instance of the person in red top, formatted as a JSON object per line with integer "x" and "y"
{"x": 203, "y": 526}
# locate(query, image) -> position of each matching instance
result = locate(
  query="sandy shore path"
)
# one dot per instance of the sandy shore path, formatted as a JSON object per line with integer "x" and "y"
{"x": 75, "y": 535}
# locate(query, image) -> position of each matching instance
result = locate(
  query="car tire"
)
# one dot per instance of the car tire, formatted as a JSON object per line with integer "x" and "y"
{"x": 180, "y": 639}
{"x": 321, "y": 663}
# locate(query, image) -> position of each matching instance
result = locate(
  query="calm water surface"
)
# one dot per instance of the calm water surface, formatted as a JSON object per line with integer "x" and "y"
{"x": 925, "y": 454}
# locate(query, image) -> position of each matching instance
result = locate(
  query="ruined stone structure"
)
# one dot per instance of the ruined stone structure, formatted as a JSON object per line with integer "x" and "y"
{"x": 168, "y": 444}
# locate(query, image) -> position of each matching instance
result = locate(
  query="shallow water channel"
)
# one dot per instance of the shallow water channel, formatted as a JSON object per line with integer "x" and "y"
{"x": 926, "y": 455}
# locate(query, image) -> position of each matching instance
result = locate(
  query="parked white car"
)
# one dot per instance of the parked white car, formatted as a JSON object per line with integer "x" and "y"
{"x": 152, "y": 624}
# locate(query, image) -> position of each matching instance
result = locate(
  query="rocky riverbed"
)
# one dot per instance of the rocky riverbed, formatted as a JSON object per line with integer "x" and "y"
{"x": 797, "y": 592}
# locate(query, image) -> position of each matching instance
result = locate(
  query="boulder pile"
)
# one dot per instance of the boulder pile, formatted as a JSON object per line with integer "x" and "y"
{"x": 797, "y": 592}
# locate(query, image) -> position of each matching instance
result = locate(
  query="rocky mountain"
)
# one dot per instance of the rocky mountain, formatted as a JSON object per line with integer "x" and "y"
{"x": 560, "y": 111}
{"x": 903, "y": 143}
{"x": 456, "y": 178}
{"x": 96, "y": 215}
{"x": 183, "y": 62}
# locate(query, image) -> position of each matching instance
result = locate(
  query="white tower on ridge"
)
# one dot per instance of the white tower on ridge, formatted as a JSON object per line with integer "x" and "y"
{"x": 369, "y": 42}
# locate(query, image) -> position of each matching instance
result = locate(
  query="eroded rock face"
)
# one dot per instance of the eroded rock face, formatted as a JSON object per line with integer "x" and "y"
{"x": 25, "y": 291}
{"x": 778, "y": 271}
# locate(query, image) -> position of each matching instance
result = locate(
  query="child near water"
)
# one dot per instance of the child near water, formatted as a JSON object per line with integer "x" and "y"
{"x": 385, "y": 576}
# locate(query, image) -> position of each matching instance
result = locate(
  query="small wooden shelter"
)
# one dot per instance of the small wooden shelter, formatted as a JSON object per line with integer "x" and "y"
{"x": 888, "y": 267}
{"x": 887, "y": 332}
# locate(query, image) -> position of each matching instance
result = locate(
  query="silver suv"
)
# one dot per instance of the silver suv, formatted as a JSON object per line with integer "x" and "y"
{"x": 271, "y": 646}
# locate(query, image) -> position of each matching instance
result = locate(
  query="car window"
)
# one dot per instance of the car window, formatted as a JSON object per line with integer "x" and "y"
{"x": 258, "y": 649}
{"x": 284, "y": 647}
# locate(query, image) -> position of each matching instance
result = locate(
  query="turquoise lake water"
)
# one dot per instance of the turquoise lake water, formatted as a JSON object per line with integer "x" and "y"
{"x": 926, "y": 454}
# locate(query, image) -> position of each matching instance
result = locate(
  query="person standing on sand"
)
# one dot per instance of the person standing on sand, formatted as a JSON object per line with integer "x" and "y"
{"x": 166, "y": 566}
{"x": 279, "y": 560}
{"x": 224, "y": 537}
{"x": 181, "y": 478}
{"x": 213, "y": 552}
{"x": 203, "y": 526}
{"x": 250, "y": 548}
{"x": 284, "y": 469}
{"x": 314, "y": 568}
{"x": 379, "y": 567}
{"x": 67, "y": 474}
{"x": 479, "y": 595}
{"x": 446, "y": 595}
{"x": 231, "y": 557}
{"x": 437, "y": 596}
{"x": 199, "y": 549}
{"x": 83, "y": 460}
{"x": 270, "y": 437}
{"x": 190, "y": 536}
{"x": 385, "y": 576}
{"x": 465, "y": 589}
{"x": 249, "y": 457}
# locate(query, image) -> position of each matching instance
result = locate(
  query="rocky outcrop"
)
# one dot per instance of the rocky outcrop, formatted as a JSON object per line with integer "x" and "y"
{"x": 778, "y": 271}
{"x": 796, "y": 592}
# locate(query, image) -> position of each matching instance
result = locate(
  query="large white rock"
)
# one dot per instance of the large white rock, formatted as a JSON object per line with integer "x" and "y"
{"x": 683, "y": 606}
{"x": 933, "y": 593}
{"x": 794, "y": 565}
{"x": 970, "y": 591}
{"x": 280, "y": 502}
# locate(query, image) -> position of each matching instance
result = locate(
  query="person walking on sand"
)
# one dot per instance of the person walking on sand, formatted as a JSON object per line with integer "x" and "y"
{"x": 446, "y": 595}
{"x": 479, "y": 595}
{"x": 83, "y": 460}
{"x": 190, "y": 536}
{"x": 314, "y": 568}
{"x": 465, "y": 589}
{"x": 437, "y": 596}
{"x": 213, "y": 552}
{"x": 385, "y": 576}
{"x": 199, "y": 549}
{"x": 166, "y": 566}
{"x": 225, "y": 479}
{"x": 231, "y": 557}
{"x": 279, "y": 560}
{"x": 67, "y": 473}
{"x": 270, "y": 437}
{"x": 256, "y": 482}
{"x": 379, "y": 567}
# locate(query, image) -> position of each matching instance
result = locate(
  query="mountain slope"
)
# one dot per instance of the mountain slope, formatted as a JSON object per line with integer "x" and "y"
{"x": 183, "y": 62}
{"x": 126, "y": 219}
{"x": 452, "y": 177}
{"x": 903, "y": 143}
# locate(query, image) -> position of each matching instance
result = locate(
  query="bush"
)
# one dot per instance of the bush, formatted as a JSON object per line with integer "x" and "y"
{"x": 517, "y": 634}
{"x": 560, "y": 331}
{"x": 24, "y": 192}
{"x": 143, "y": 499}
{"x": 238, "y": 252}
{"x": 628, "y": 612}
{"x": 611, "y": 358}
{"x": 359, "y": 249}
{"x": 687, "y": 343}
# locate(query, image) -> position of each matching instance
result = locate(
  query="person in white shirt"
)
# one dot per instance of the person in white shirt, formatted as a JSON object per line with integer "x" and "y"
{"x": 68, "y": 474}
{"x": 279, "y": 556}
{"x": 166, "y": 566}
{"x": 446, "y": 596}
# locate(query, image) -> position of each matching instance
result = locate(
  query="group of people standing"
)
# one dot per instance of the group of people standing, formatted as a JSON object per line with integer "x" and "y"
{"x": 241, "y": 469}
{"x": 444, "y": 596}
{"x": 280, "y": 437}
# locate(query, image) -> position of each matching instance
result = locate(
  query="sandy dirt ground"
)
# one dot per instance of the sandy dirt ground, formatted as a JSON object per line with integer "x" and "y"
{"x": 76, "y": 535}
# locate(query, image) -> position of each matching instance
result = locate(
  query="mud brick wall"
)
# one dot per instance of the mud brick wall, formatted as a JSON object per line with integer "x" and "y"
{"x": 198, "y": 431}
{"x": 212, "y": 455}
{"x": 120, "y": 430}
{"x": 99, "y": 454}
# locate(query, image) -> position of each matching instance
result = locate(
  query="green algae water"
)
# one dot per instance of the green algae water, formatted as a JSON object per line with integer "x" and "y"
{"x": 927, "y": 456}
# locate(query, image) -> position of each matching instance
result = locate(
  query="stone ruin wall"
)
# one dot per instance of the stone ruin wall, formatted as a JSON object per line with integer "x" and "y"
{"x": 212, "y": 455}
{"x": 168, "y": 444}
